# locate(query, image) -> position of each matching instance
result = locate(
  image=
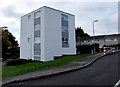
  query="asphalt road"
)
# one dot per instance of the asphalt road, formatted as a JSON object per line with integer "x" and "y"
{"x": 102, "y": 72}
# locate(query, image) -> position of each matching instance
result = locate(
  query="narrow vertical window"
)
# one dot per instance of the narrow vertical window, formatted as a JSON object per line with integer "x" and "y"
{"x": 65, "y": 33}
{"x": 37, "y": 45}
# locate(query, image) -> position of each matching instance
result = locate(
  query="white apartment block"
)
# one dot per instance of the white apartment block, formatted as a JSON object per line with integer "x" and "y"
{"x": 47, "y": 33}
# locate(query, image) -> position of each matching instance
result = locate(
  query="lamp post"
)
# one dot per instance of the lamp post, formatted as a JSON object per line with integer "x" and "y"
{"x": 94, "y": 36}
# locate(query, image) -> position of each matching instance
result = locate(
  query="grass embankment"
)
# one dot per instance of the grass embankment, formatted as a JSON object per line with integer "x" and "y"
{"x": 34, "y": 66}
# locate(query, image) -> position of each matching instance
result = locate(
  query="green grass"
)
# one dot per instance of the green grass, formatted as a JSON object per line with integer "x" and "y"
{"x": 34, "y": 66}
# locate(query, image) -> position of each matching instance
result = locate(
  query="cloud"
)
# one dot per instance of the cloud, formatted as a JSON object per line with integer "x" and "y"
{"x": 10, "y": 11}
{"x": 85, "y": 12}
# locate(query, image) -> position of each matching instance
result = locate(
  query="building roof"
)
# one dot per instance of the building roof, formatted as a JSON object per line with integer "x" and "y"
{"x": 100, "y": 37}
{"x": 49, "y": 8}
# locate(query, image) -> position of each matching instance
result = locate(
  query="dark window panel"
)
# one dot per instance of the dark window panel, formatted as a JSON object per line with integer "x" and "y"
{"x": 64, "y": 17}
{"x": 36, "y": 58}
{"x": 37, "y": 21}
{"x": 37, "y": 33}
{"x": 64, "y": 28}
{"x": 65, "y": 44}
{"x": 64, "y": 23}
{"x": 37, "y": 46}
{"x": 65, "y": 35}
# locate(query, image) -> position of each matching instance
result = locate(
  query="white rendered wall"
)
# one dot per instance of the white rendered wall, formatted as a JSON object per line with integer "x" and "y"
{"x": 27, "y": 27}
{"x": 53, "y": 36}
{"x": 27, "y": 31}
{"x": 71, "y": 50}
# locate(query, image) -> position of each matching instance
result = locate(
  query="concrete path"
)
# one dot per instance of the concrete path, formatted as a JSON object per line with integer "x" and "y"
{"x": 75, "y": 65}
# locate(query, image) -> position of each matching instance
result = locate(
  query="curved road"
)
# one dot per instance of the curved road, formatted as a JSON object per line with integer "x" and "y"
{"x": 102, "y": 72}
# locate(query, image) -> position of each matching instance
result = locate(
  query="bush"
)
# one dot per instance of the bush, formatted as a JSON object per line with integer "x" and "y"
{"x": 17, "y": 62}
{"x": 13, "y": 57}
{"x": 87, "y": 48}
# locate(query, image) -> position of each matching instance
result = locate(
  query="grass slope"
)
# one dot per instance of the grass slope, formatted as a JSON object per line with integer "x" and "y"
{"x": 34, "y": 66}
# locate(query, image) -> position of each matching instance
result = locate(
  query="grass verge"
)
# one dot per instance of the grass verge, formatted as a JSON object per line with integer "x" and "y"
{"x": 35, "y": 66}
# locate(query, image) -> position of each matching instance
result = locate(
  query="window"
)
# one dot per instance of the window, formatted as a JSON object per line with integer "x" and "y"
{"x": 65, "y": 33}
{"x": 37, "y": 49}
{"x": 37, "y": 21}
{"x": 62, "y": 39}
{"x": 37, "y": 15}
{"x": 36, "y": 57}
{"x": 37, "y": 40}
{"x": 37, "y": 33}
{"x": 67, "y": 39}
{"x": 115, "y": 39}
{"x": 64, "y": 17}
{"x": 37, "y": 27}
{"x": 37, "y": 52}
{"x": 37, "y": 46}
{"x": 108, "y": 40}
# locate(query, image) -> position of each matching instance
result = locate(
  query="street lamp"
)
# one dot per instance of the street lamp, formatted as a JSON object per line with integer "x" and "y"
{"x": 94, "y": 35}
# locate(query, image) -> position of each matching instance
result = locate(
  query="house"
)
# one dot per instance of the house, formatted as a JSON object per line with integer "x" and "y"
{"x": 102, "y": 40}
{"x": 47, "y": 33}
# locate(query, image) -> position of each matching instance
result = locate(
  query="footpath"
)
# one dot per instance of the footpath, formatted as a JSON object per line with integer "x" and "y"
{"x": 75, "y": 65}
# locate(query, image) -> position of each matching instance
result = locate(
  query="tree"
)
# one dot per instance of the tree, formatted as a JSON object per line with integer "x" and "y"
{"x": 9, "y": 45}
{"x": 80, "y": 33}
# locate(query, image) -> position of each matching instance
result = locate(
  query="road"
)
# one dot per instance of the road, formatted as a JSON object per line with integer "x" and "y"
{"x": 102, "y": 72}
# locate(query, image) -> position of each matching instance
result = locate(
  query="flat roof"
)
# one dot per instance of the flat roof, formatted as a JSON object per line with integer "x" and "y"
{"x": 49, "y": 8}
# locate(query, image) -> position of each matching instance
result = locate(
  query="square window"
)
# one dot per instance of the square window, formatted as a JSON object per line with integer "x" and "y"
{"x": 37, "y": 40}
{"x": 64, "y": 17}
{"x": 37, "y": 33}
{"x": 37, "y": 21}
{"x": 37, "y": 27}
{"x": 37, "y": 14}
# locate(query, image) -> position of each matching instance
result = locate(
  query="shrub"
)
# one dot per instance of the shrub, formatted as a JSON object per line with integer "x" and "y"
{"x": 87, "y": 48}
{"x": 13, "y": 57}
{"x": 17, "y": 62}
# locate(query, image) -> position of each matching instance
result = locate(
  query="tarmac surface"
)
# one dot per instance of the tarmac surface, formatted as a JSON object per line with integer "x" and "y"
{"x": 76, "y": 65}
{"x": 103, "y": 72}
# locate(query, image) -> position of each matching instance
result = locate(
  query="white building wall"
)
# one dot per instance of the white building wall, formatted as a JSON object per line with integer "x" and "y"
{"x": 71, "y": 50}
{"x": 51, "y": 35}
{"x": 42, "y": 34}
{"x": 27, "y": 27}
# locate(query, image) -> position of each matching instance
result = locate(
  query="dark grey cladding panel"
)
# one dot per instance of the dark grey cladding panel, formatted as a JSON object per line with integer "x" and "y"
{"x": 65, "y": 23}
{"x": 37, "y": 21}
{"x": 36, "y": 58}
{"x": 64, "y": 17}
{"x": 65, "y": 45}
{"x": 65, "y": 35}
{"x": 37, "y": 33}
{"x": 37, "y": 46}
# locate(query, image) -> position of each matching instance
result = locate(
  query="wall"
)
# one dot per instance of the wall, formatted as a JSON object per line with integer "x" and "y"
{"x": 53, "y": 34}
{"x": 71, "y": 50}
{"x": 27, "y": 27}
{"x": 52, "y": 27}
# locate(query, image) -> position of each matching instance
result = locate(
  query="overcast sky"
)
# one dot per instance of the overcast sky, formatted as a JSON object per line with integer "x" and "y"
{"x": 85, "y": 11}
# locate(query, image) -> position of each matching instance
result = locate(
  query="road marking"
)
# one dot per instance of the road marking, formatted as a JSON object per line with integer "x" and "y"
{"x": 117, "y": 84}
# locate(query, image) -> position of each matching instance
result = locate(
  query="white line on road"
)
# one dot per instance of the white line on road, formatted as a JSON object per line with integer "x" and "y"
{"x": 117, "y": 84}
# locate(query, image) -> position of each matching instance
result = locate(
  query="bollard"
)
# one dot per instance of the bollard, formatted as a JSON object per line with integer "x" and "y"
{"x": 113, "y": 50}
{"x": 104, "y": 51}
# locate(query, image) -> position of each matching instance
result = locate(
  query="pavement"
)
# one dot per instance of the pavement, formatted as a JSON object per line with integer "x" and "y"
{"x": 102, "y": 73}
{"x": 75, "y": 65}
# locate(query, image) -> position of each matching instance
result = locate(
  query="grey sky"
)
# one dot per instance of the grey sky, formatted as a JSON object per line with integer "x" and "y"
{"x": 85, "y": 13}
